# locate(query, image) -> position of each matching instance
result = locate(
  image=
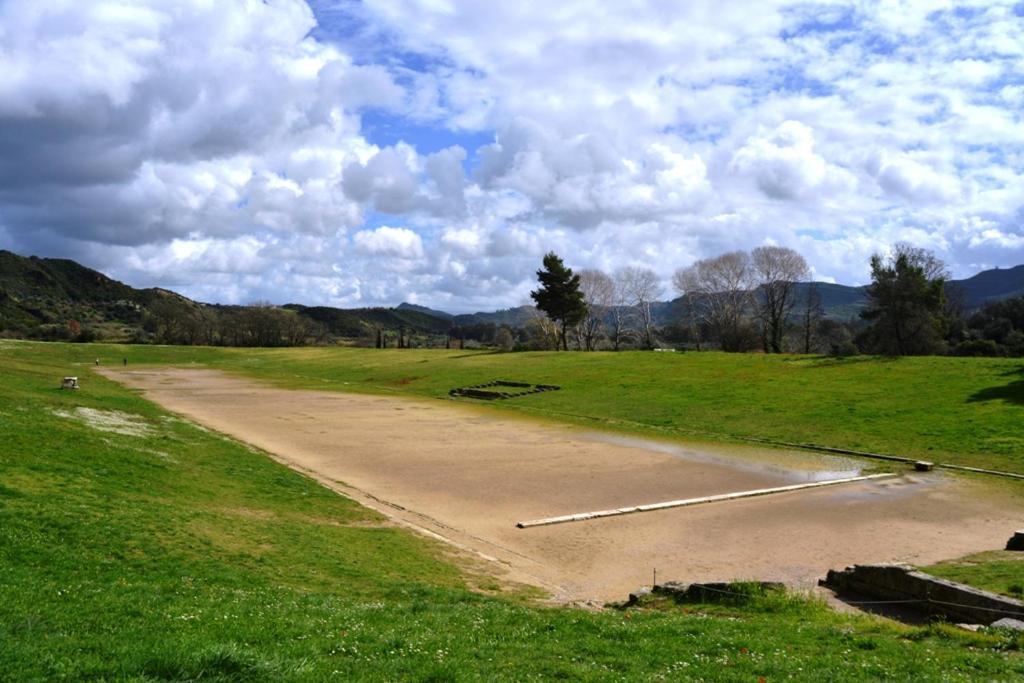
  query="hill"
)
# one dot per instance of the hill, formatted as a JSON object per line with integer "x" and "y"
{"x": 992, "y": 285}
{"x": 52, "y": 296}
{"x": 48, "y": 298}
{"x": 355, "y": 322}
{"x": 405, "y": 306}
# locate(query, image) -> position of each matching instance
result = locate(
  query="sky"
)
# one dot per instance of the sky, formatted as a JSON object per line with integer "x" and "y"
{"x": 431, "y": 151}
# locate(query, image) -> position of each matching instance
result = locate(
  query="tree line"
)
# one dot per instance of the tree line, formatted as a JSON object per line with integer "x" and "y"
{"x": 736, "y": 302}
{"x": 173, "y": 321}
{"x": 739, "y": 301}
{"x": 763, "y": 300}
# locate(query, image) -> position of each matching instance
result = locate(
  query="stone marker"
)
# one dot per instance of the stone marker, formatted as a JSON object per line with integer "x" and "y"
{"x": 923, "y": 466}
{"x": 1017, "y": 541}
{"x": 69, "y": 383}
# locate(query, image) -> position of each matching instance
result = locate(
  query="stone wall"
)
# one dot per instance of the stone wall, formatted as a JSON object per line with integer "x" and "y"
{"x": 930, "y": 594}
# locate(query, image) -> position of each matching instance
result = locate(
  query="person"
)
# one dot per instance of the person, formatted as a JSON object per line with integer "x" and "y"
{"x": 97, "y": 361}
{"x": 126, "y": 362}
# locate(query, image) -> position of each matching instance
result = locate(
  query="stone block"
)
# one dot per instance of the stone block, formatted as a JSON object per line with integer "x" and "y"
{"x": 1008, "y": 622}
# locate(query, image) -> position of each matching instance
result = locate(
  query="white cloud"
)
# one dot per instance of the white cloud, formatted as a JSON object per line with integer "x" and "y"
{"x": 399, "y": 243}
{"x": 225, "y": 148}
{"x": 785, "y": 165}
{"x": 901, "y": 175}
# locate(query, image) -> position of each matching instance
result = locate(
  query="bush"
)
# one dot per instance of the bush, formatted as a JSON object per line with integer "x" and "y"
{"x": 85, "y": 335}
{"x": 504, "y": 339}
{"x": 51, "y": 332}
{"x": 1013, "y": 345}
{"x": 977, "y": 347}
{"x": 843, "y": 349}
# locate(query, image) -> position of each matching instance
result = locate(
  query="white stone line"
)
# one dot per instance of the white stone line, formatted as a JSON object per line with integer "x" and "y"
{"x": 581, "y": 516}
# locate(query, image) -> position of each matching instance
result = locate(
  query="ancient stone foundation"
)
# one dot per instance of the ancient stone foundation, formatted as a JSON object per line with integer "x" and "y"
{"x": 923, "y": 592}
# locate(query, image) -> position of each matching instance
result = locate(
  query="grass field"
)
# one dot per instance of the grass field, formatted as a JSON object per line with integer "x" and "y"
{"x": 965, "y": 411}
{"x": 172, "y": 553}
{"x": 1001, "y": 571}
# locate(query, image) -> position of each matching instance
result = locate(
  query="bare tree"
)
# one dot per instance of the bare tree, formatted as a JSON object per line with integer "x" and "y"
{"x": 599, "y": 294}
{"x": 811, "y": 317}
{"x": 721, "y": 288}
{"x": 504, "y": 339}
{"x": 685, "y": 281}
{"x": 543, "y": 332}
{"x": 642, "y": 288}
{"x": 777, "y": 271}
{"x": 620, "y": 312}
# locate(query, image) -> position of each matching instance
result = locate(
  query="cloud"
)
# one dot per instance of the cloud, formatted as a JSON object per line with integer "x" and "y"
{"x": 902, "y": 176}
{"x": 399, "y": 243}
{"x": 396, "y": 180}
{"x": 785, "y": 165}
{"x": 166, "y": 119}
{"x": 585, "y": 180}
{"x": 235, "y": 150}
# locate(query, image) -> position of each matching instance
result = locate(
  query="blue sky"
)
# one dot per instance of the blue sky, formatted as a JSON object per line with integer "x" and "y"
{"x": 366, "y": 153}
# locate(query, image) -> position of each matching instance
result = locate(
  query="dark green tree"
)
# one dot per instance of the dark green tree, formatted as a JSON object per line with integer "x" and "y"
{"x": 906, "y": 303}
{"x": 559, "y": 295}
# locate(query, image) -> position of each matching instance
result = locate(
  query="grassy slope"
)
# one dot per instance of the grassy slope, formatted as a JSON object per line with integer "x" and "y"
{"x": 1001, "y": 571}
{"x": 181, "y": 554}
{"x": 958, "y": 410}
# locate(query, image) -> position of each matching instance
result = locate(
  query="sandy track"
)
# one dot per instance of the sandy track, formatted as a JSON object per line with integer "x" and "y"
{"x": 469, "y": 476}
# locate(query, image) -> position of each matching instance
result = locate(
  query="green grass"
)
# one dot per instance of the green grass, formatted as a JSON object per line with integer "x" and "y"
{"x": 1001, "y": 571}
{"x": 184, "y": 555}
{"x": 965, "y": 411}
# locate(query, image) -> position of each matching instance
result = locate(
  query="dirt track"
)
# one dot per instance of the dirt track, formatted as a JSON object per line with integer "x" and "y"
{"x": 469, "y": 476}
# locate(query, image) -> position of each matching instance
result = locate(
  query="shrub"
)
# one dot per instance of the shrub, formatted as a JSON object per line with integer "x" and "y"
{"x": 977, "y": 347}
{"x": 843, "y": 349}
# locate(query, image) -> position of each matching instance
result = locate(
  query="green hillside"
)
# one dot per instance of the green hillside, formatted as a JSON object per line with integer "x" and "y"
{"x": 41, "y": 297}
{"x": 38, "y": 294}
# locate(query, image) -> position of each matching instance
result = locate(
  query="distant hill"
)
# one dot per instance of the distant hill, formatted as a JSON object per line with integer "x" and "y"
{"x": 355, "y": 322}
{"x": 404, "y": 306}
{"x": 38, "y": 295}
{"x": 512, "y": 317}
{"x": 992, "y": 285}
{"x": 39, "y": 292}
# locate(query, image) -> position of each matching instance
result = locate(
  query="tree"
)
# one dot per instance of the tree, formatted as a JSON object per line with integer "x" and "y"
{"x": 620, "y": 312}
{"x": 777, "y": 271}
{"x": 599, "y": 294}
{"x": 542, "y": 333}
{"x": 686, "y": 284}
{"x": 810, "y": 319}
{"x": 559, "y": 295}
{"x": 504, "y": 339}
{"x": 906, "y": 302}
{"x": 721, "y": 289}
{"x": 641, "y": 288}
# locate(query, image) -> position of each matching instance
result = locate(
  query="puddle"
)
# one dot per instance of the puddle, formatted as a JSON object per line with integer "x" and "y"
{"x": 798, "y": 467}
